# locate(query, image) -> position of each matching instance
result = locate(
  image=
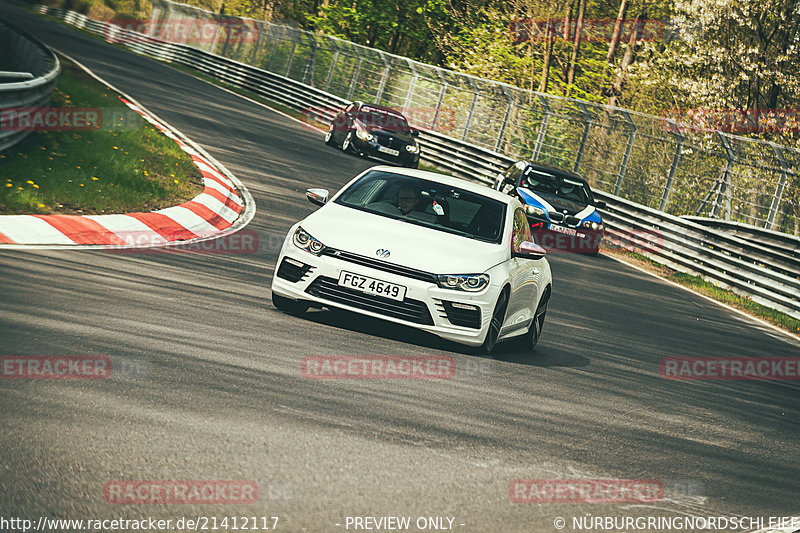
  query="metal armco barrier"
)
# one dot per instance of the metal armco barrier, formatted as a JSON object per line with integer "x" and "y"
{"x": 674, "y": 162}
{"x": 767, "y": 274}
{"x": 32, "y": 81}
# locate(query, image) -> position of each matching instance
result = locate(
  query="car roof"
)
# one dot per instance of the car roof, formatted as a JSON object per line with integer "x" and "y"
{"x": 380, "y": 107}
{"x": 557, "y": 170}
{"x": 461, "y": 183}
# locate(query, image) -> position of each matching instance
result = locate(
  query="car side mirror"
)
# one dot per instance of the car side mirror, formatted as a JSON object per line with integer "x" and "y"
{"x": 317, "y": 196}
{"x": 415, "y": 133}
{"x": 600, "y": 204}
{"x": 529, "y": 250}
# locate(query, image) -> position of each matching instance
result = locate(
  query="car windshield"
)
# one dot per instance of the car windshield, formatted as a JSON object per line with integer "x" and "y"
{"x": 551, "y": 184}
{"x": 381, "y": 119}
{"x": 427, "y": 203}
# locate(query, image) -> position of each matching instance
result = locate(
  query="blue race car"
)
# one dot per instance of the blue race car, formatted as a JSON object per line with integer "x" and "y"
{"x": 560, "y": 206}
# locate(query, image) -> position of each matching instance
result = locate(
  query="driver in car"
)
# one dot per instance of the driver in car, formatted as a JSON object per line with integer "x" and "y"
{"x": 409, "y": 199}
{"x": 411, "y": 204}
{"x": 407, "y": 202}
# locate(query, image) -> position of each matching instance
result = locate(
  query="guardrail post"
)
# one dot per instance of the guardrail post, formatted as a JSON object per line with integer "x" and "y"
{"x": 227, "y": 39}
{"x": 587, "y": 124}
{"x": 674, "y": 166}
{"x": 503, "y": 126}
{"x": 216, "y": 34}
{"x": 440, "y": 99}
{"x": 411, "y": 86}
{"x": 309, "y": 68}
{"x": 333, "y": 65}
{"x": 384, "y": 77}
{"x": 537, "y": 150}
{"x": 272, "y": 52}
{"x": 355, "y": 75}
{"x": 471, "y": 109}
{"x": 724, "y": 184}
{"x": 258, "y": 42}
{"x": 291, "y": 57}
{"x": 778, "y": 196}
{"x": 623, "y": 168}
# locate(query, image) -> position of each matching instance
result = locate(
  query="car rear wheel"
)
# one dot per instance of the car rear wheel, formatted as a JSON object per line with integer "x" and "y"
{"x": 496, "y": 323}
{"x": 287, "y": 305}
{"x": 347, "y": 144}
{"x": 529, "y": 341}
{"x": 329, "y": 136}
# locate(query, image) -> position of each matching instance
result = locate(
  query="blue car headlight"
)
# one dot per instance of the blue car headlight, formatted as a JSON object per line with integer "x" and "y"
{"x": 303, "y": 240}
{"x": 464, "y": 282}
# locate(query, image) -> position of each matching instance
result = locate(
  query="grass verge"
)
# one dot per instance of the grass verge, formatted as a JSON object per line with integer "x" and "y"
{"x": 701, "y": 286}
{"x": 125, "y": 166}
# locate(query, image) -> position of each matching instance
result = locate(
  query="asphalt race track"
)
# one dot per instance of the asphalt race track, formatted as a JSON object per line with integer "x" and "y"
{"x": 215, "y": 392}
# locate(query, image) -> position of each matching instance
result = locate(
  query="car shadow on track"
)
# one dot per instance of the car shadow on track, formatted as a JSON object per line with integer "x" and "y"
{"x": 544, "y": 356}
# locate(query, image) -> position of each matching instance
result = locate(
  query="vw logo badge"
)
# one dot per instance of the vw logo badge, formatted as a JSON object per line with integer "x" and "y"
{"x": 382, "y": 252}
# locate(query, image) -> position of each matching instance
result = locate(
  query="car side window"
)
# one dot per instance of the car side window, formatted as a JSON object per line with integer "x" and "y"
{"x": 521, "y": 231}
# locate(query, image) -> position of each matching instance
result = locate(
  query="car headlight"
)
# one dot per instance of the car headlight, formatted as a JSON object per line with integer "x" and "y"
{"x": 536, "y": 211}
{"x": 364, "y": 135}
{"x": 413, "y": 148}
{"x": 591, "y": 224}
{"x": 303, "y": 240}
{"x": 464, "y": 282}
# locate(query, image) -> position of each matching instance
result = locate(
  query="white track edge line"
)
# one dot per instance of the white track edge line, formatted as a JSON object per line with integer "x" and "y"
{"x": 710, "y": 299}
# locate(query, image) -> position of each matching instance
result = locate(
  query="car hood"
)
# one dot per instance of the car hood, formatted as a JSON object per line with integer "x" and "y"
{"x": 362, "y": 233}
{"x": 403, "y": 136}
{"x": 557, "y": 203}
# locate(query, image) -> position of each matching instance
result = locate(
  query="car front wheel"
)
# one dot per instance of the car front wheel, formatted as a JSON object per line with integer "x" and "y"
{"x": 529, "y": 341}
{"x": 496, "y": 323}
{"x": 329, "y": 136}
{"x": 347, "y": 144}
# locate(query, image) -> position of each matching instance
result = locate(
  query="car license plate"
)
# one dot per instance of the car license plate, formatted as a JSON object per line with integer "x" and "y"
{"x": 568, "y": 231}
{"x": 372, "y": 286}
{"x": 389, "y": 151}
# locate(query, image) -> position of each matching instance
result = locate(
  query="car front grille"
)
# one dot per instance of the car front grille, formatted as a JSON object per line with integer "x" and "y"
{"x": 555, "y": 216}
{"x": 400, "y": 270}
{"x": 573, "y": 221}
{"x": 468, "y": 318}
{"x": 409, "y": 310}
{"x": 386, "y": 141}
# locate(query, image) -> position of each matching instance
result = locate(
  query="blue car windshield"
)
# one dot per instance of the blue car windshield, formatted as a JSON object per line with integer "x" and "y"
{"x": 427, "y": 203}
{"x": 552, "y": 184}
